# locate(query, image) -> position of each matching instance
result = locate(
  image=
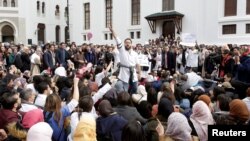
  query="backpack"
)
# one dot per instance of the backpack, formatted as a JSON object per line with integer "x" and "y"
{"x": 46, "y": 119}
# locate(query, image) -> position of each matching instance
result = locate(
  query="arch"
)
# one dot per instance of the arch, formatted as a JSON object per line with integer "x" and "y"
{"x": 7, "y": 34}
{"x": 4, "y": 22}
{"x": 41, "y": 33}
{"x": 57, "y": 31}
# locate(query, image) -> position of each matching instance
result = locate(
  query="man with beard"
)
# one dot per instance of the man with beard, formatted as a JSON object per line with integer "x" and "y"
{"x": 7, "y": 84}
{"x": 11, "y": 103}
{"x": 128, "y": 64}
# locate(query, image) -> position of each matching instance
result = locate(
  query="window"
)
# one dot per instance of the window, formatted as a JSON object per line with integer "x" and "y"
{"x": 248, "y": 7}
{"x": 5, "y": 4}
{"x": 66, "y": 12}
{"x": 229, "y": 29}
{"x": 111, "y": 36}
{"x": 230, "y": 8}
{"x": 84, "y": 37}
{"x": 41, "y": 33}
{"x": 57, "y": 34}
{"x": 132, "y": 35}
{"x": 43, "y": 7}
{"x": 57, "y": 12}
{"x": 167, "y": 5}
{"x": 38, "y": 5}
{"x": 86, "y": 16}
{"x": 135, "y": 4}
{"x": 66, "y": 34}
{"x": 248, "y": 28}
{"x": 13, "y": 4}
{"x": 138, "y": 34}
{"x": 106, "y": 36}
{"x": 108, "y": 13}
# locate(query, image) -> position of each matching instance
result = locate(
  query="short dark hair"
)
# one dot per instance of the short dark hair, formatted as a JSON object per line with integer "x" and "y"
{"x": 224, "y": 101}
{"x": 133, "y": 131}
{"x": 8, "y": 100}
{"x": 124, "y": 98}
{"x": 229, "y": 75}
{"x": 42, "y": 87}
{"x": 128, "y": 39}
{"x": 86, "y": 103}
{"x": 84, "y": 90}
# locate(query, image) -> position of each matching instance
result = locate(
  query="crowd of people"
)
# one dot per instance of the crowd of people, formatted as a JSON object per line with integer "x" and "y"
{"x": 161, "y": 91}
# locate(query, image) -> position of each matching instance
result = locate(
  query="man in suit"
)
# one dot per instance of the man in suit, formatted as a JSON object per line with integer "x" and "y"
{"x": 62, "y": 55}
{"x": 49, "y": 58}
{"x": 168, "y": 61}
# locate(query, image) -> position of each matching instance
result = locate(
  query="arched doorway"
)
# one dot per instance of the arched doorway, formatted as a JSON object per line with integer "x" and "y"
{"x": 41, "y": 33}
{"x": 7, "y": 34}
{"x": 57, "y": 34}
{"x": 168, "y": 28}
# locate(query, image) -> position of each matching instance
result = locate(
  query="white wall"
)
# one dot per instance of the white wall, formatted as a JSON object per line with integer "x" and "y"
{"x": 33, "y": 18}
{"x": 121, "y": 20}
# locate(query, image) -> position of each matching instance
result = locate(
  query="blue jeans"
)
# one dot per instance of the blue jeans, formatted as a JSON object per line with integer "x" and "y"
{"x": 130, "y": 88}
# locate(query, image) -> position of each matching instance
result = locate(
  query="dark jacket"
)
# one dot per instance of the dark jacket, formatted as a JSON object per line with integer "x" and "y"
{"x": 25, "y": 62}
{"x": 110, "y": 128}
{"x": 90, "y": 57}
{"x": 150, "y": 128}
{"x": 170, "y": 60}
{"x": 130, "y": 113}
{"x": 61, "y": 57}
{"x": 229, "y": 67}
{"x": 48, "y": 60}
{"x": 243, "y": 69}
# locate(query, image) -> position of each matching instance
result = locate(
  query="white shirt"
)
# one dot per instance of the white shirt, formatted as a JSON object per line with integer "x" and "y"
{"x": 31, "y": 86}
{"x": 143, "y": 61}
{"x": 99, "y": 94}
{"x": 158, "y": 58}
{"x": 192, "y": 80}
{"x": 27, "y": 107}
{"x": 34, "y": 57}
{"x": 247, "y": 101}
{"x": 127, "y": 58}
{"x": 192, "y": 59}
{"x": 99, "y": 77}
{"x": 40, "y": 100}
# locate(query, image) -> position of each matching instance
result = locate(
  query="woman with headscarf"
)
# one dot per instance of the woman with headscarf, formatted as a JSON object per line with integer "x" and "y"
{"x": 238, "y": 114}
{"x": 178, "y": 128}
{"x": 109, "y": 124}
{"x": 200, "y": 118}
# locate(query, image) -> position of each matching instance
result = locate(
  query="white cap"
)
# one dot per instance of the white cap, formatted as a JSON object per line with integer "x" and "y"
{"x": 40, "y": 132}
{"x": 60, "y": 71}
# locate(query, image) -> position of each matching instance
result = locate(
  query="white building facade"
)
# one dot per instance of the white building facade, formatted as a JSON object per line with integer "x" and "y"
{"x": 33, "y": 21}
{"x": 40, "y": 21}
{"x": 212, "y": 22}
